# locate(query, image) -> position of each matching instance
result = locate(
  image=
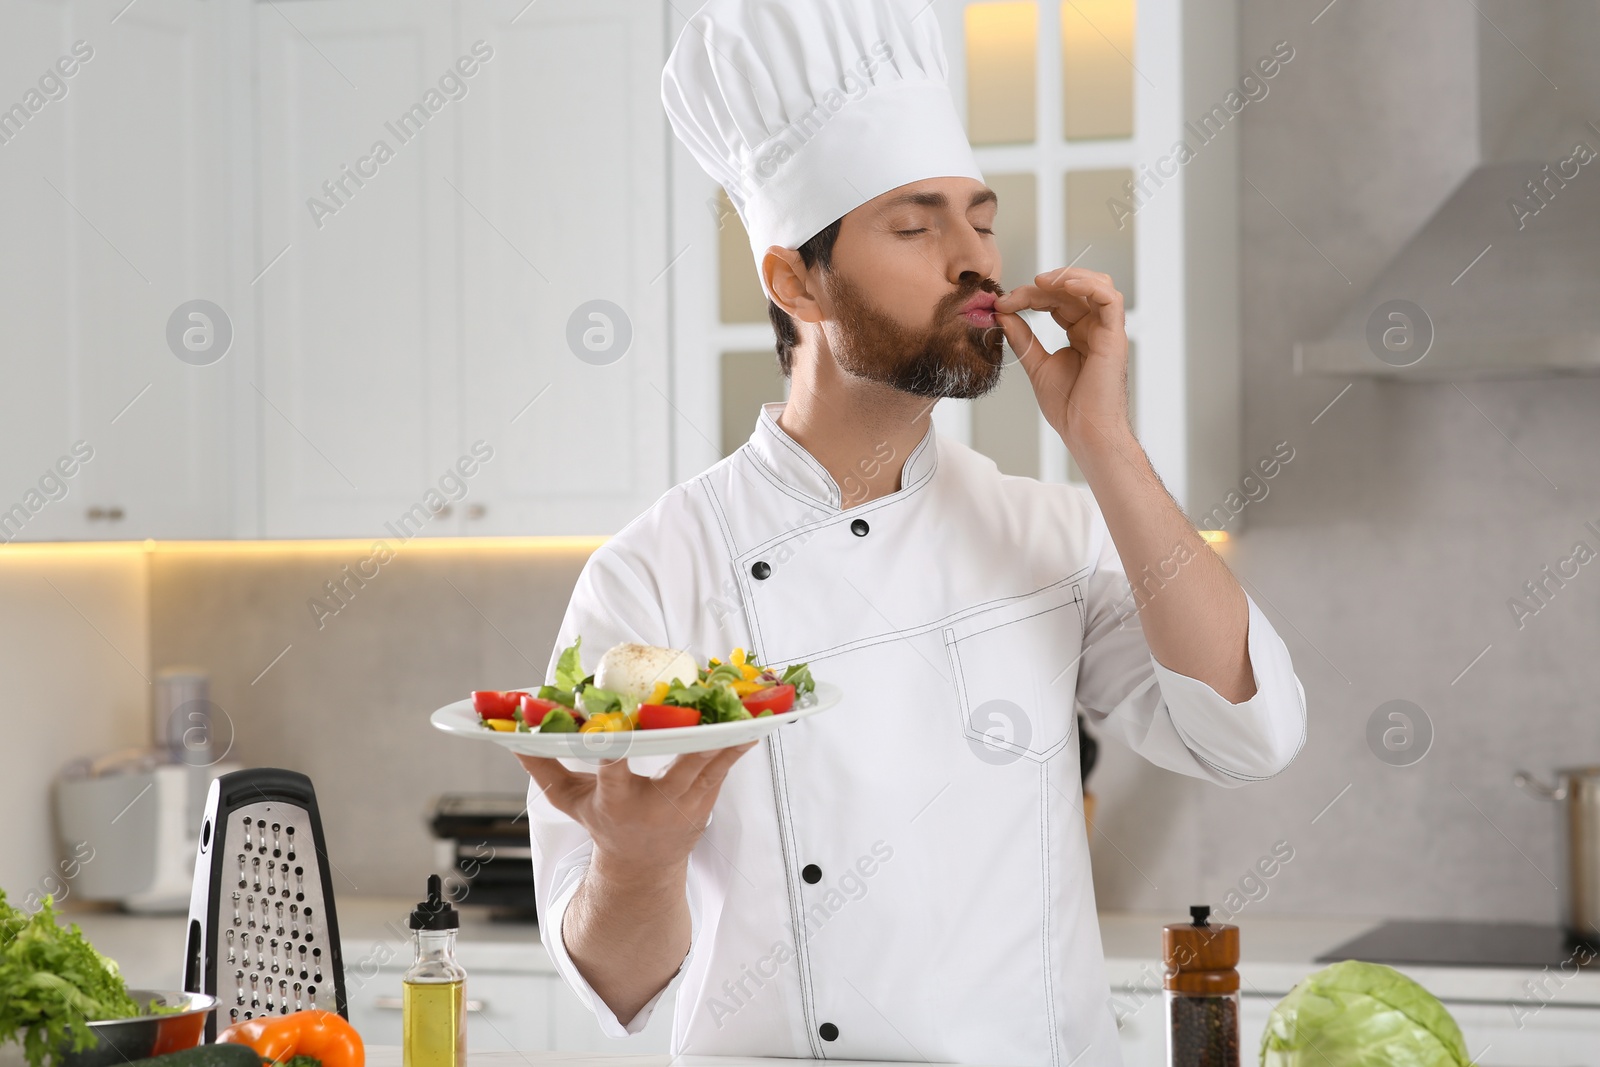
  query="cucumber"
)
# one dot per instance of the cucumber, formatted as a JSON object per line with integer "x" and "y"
{"x": 225, "y": 1054}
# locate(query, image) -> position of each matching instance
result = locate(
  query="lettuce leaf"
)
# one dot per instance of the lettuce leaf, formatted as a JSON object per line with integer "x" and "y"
{"x": 716, "y": 703}
{"x": 596, "y": 700}
{"x": 1358, "y": 1014}
{"x": 799, "y": 676}
{"x": 558, "y": 721}
{"x": 569, "y": 668}
{"x": 53, "y": 982}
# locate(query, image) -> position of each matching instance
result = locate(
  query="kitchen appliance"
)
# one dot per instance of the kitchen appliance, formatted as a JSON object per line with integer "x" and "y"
{"x": 181, "y": 715}
{"x": 1453, "y": 943}
{"x": 263, "y": 936}
{"x": 484, "y": 845}
{"x": 1577, "y": 797}
{"x": 131, "y": 819}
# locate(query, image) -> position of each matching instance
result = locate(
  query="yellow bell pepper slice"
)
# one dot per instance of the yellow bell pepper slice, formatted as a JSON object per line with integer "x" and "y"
{"x": 658, "y": 694}
{"x": 750, "y": 672}
{"x": 737, "y": 658}
{"x": 605, "y": 722}
{"x": 502, "y": 725}
{"x": 745, "y": 688}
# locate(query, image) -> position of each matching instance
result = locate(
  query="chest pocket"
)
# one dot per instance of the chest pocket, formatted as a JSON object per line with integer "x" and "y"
{"x": 1015, "y": 669}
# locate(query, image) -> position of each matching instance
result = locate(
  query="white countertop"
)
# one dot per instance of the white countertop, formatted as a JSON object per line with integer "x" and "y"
{"x": 1277, "y": 951}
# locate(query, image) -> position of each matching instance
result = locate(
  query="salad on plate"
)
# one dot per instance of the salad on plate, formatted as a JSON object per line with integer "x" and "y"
{"x": 644, "y": 687}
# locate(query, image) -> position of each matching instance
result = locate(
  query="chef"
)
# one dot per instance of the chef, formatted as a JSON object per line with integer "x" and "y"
{"x": 905, "y": 876}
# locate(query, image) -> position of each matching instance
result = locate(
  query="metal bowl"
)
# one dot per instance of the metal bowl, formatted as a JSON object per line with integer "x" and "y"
{"x": 121, "y": 1040}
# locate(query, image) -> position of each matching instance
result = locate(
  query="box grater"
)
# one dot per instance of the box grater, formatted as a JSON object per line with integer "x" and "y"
{"x": 263, "y": 936}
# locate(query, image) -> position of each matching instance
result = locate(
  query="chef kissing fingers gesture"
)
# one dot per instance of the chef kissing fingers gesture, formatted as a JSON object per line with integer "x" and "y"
{"x": 1083, "y": 388}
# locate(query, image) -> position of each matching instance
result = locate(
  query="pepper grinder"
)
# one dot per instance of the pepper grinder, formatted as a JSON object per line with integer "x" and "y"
{"x": 1201, "y": 991}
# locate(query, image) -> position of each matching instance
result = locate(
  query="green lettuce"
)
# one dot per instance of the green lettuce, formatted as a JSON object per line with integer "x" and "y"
{"x": 799, "y": 676}
{"x": 558, "y": 721}
{"x": 597, "y": 700}
{"x": 53, "y": 983}
{"x": 1358, "y": 1014}
{"x": 716, "y": 703}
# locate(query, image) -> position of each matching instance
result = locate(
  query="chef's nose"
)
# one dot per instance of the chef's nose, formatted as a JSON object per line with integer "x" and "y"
{"x": 971, "y": 252}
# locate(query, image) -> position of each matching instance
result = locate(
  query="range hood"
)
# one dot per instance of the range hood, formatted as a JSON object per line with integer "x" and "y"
{"x": 1506, "y": 270}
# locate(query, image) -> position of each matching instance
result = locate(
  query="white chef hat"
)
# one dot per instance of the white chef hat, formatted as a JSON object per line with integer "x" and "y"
{"x": 805, "y": 109}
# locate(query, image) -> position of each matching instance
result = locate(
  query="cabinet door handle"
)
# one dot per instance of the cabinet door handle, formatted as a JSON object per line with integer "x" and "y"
{"x": 96, "y": 512}
{"x": 477, "y": 511}
{"x": 396, "y": 1004}
{"x": 444, "y": 512}
{"x": 114, "y": 513}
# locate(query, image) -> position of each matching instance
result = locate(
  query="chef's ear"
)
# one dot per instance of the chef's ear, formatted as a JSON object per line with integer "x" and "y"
{"x": 790, "y": 284}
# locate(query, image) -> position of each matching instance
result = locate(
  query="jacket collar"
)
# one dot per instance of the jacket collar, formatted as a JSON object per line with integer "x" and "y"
{"x": 797, "y": 469}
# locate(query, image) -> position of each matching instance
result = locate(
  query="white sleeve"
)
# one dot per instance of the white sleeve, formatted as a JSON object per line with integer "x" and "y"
{"x": 610, "y": 605}
{"x": 1170, "y": 719}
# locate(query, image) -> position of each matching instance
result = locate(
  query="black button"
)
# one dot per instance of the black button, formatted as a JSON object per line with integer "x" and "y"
{"x": 859, "y": 527}
{"x": 761, "y": 569}
{"x": 828, "y": 1031}
{"x": 813, "y": 874}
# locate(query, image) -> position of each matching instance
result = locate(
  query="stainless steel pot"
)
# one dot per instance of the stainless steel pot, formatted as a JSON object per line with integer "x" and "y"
{"x": 1577, "y": 795}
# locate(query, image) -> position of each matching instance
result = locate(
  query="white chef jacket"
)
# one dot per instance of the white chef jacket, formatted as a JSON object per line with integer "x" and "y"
{"x": 877, "y": 881}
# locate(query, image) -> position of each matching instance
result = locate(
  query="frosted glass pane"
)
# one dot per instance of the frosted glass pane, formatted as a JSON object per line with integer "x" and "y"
{"x": 742, "y": 299}
{"x": 1100, "y": 225}
{"x": 1097, "y": 69}
{"x": 749, "y": 379}
{"x": 1016, "y": 226}
{"x": 1001, "y": 44}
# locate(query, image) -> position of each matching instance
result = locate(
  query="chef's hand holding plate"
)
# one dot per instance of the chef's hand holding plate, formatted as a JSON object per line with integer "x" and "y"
{"x": 650, "y": 823}
{"x": 1083, "y": 388}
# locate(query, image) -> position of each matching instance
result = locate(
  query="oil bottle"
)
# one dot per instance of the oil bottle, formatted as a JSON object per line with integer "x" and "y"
{"x": 433, "y": 1019}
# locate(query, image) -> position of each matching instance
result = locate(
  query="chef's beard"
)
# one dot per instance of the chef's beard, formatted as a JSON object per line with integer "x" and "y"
{"x": 948, "y": 357}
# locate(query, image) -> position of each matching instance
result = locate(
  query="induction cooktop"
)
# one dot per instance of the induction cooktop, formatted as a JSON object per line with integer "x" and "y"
{"x": 1467, "y": 944}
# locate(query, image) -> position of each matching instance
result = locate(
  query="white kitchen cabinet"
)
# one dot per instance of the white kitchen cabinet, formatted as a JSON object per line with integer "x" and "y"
{"x": 423, "y": 302}
{"x": 526, "y": 1012}
{"x": 115, "y": 202}
{"x": 504, "y": 1011}
{"x": 562, "y": 203}
{"x": 354, "y": 385}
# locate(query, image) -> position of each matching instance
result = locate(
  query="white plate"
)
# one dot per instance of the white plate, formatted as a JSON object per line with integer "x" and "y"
{"x": 460, "y": 720}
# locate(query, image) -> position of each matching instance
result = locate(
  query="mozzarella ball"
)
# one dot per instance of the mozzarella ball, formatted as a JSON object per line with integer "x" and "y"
{"x": 634, "y": 670}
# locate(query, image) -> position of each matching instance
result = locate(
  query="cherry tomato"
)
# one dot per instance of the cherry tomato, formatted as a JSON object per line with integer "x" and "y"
{"x": 494, "y": 704}
{"x": 534, "y": 710}
{"x": 778, "y": 699}
{"x": 666, "y": 716}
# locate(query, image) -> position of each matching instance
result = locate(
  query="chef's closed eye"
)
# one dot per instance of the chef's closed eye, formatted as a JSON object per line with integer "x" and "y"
{"x": 1255, "y": 488}
{"x": 852, "y": 885}
{"x": 453, "y": 486}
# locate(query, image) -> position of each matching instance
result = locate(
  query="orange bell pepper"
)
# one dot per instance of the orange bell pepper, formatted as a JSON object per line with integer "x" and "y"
{"x": 324, "y": 1035}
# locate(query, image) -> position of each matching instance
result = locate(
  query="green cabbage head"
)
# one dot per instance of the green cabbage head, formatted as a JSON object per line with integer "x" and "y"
{"x": 1356, "y": 1014}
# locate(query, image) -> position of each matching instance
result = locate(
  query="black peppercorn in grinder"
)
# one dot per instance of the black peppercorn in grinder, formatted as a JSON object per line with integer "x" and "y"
{"x": 1201, "y": 991}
